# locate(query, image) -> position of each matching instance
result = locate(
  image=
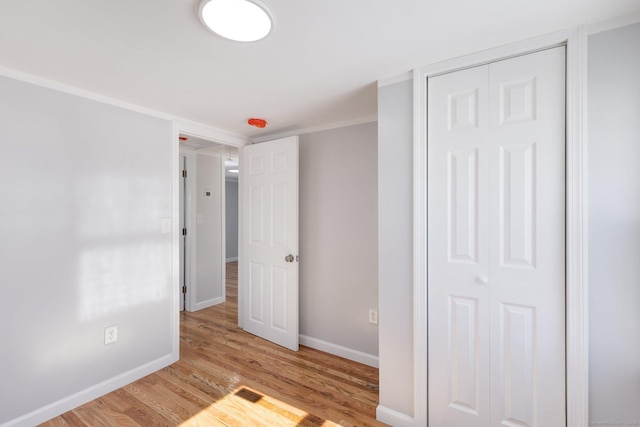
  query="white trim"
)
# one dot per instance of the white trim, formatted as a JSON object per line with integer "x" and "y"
{"x": 577, "y": 238}
{"x": 189, "y": 128}
{"x": 190, "y": 224}
{"x": 61, "y": 406}
{"x": 233, "y": 259}
{"x": 208, "y": 303}
{"x": 612, "y": 24}
{"x": 576, "y": 243}
{"x": 393, "y": 418}
{"x": 420, "y": 249}
{"x": 223, "y": 231}
{"x": 175, "y": 242}
{"x": 496, "y": 54}
{"x": 338, "y": 350}
{"x": 240, "y": 240}
{"x": 312, "y": 129}
{"x": 184, "y": 125}
{"x": 395, "y": 79}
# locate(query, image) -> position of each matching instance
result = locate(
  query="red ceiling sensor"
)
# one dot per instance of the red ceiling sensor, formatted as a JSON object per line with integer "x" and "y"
{"x": 259, "y": 123}
{"x": 183, "y": 138}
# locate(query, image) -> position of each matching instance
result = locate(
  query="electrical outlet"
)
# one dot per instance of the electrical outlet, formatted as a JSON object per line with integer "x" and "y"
{"x": 373, "y": 316}
{"x": 110, "y": 334}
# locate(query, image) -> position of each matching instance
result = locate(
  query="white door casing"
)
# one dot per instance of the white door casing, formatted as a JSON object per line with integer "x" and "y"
{"x": 269, "y": 181}
{"x": 182, "y": 190}
{"x": 496, "y": 243}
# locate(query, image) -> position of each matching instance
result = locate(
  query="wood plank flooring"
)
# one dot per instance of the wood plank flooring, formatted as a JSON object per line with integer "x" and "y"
{"x": 226, "y": 377}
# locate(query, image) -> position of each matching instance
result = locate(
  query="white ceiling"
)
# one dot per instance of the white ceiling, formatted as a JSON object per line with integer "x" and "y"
{"x": 194, "y": 143}
{"x": 319, "y": 65}
{"x": 228, "y": 153}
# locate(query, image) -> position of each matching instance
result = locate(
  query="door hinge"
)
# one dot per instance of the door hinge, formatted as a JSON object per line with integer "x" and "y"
{"x": 184, "y": 174}
{"x": 184, "y": 289}
{"x": 184, "y": 231}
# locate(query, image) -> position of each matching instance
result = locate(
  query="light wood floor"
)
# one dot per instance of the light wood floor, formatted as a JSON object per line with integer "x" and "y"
{"x": 226, "y": 377}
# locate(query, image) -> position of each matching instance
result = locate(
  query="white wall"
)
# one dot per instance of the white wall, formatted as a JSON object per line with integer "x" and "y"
{"x": 209, "y": 277}
{"x": 83, "y": 189}
{"x": 231, "y": 219}
{"x": 614, "y": 226}
{"x": 338, "y": 240}
{"x": 395, "y": 146}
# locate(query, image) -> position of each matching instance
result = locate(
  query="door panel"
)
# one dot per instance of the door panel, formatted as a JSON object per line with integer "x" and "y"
{"x": 518, "y": 203}
{"x": 256, "y": 292}
{"x": 270, "y": 214}
{"x": 496, "y": 244}
{"x": 463, "y": 206}
{"x": 463, "y": 350}
{"x": 528, "y": 247}
{"x": 518, "y": 353}
{"x": 458, "y": 249}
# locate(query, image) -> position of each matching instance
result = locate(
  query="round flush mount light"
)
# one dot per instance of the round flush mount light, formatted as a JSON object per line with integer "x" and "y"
{"x": 238, "y": 20}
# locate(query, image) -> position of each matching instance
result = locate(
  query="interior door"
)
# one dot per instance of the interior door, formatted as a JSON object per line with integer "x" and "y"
{"x": 269, "y": 261}
{"x": 496, "y": 268}
{"x": 182, "y": 226}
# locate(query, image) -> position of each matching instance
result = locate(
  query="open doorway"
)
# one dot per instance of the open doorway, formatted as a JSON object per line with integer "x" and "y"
{"x": 203, "y": 218}
{"x": 231, "y": 174}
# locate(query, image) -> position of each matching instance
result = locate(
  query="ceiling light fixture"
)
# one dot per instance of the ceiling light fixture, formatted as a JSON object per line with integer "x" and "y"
{"x": 233, "y": 170}
{"x": 238, "y": 20}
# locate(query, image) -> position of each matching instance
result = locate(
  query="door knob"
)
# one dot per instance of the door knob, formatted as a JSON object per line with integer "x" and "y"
{"x": 289, "y": 258}
{"x": 482, "y": 279}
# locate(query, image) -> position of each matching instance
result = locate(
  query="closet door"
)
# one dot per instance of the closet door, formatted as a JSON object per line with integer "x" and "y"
{"x": 496, "y": 244}
{"x": 458, "y": 248}
{"x": 527, "y": 285}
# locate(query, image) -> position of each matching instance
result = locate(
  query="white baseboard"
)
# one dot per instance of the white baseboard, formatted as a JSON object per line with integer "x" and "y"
{"x": 338, "y": 350}
{"x": 208, "y": 303}
{"x": 87, "y": 395}
{"x": 232, "y": 259}
{"x": 393, "y": 418}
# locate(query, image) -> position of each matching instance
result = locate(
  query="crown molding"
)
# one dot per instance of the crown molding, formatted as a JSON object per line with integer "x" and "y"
{"x": 183, "y": 125}
{"x": 395, "y": 79}
{"x": 612, "y": 24}
{"x": 312, "y": 129}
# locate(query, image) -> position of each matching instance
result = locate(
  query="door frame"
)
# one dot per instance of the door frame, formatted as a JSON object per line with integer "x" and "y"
{"x": 189, "y": 221}
{"x": 577, "y": 368}
{"x": 219, "y": 137}
{"x": 184, "y": 210}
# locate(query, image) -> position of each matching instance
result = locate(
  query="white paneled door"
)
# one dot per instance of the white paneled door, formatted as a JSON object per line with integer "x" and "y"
{"x": 269, "y": 261}
{"x": 496, "y": 233}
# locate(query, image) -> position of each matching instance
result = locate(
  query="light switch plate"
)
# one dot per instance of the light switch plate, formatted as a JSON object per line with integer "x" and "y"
{"x": 373, "y": 316}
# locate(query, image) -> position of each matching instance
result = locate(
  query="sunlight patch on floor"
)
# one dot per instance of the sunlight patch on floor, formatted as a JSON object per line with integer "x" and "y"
{"x": 245, "y": 406}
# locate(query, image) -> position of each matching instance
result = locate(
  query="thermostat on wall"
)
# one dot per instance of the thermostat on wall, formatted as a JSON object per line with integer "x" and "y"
{"x": 206, "y": 194}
